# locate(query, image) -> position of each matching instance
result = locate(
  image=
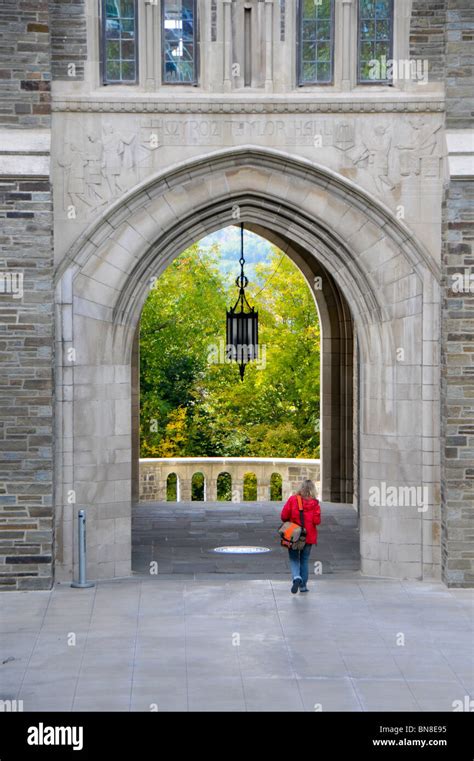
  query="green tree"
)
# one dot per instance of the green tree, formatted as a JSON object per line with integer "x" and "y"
{"x": 196, "y": 406}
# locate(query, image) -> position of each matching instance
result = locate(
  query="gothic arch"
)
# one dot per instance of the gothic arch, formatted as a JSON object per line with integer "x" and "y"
{"x": 377, "y": 278}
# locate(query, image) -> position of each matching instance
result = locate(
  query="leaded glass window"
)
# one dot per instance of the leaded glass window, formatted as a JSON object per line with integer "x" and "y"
{"x": 316, "y": 36}
{"x": 119, "y": 49}
{"x": 375, "y": 40}
{"x": 179, "y": 41}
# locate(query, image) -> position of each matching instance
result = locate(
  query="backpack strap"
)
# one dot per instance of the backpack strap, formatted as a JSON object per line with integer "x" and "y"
{"x": 300, "y": 508}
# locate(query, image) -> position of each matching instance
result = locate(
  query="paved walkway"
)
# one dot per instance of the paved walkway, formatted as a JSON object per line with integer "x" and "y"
{"x": 222, "y": 643}
{"x": 181, "y": 538}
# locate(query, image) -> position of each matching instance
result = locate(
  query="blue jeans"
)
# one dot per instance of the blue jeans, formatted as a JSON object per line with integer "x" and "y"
{"x": 299, "y": 563}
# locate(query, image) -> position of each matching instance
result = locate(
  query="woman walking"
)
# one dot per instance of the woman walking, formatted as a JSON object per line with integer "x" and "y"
{"x": 305, "y": 499}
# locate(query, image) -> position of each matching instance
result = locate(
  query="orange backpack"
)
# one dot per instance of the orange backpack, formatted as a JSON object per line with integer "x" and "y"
{"x": 293, "y": 535}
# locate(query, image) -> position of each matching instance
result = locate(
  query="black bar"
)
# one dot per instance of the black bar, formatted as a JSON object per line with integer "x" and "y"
{"x": 344, "y": 735}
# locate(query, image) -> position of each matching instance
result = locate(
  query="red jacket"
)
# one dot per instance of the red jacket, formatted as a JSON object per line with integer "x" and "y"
{"x": 311, "y": 514}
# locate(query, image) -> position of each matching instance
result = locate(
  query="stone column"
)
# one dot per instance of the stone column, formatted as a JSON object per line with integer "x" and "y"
{"x": 152, "y": 31}
{"x": 237, "y": 490}
{"x": 286, "y": 489}
{"x": 161, "y": 489}
{"x": 227, "y": 45}
{"x": 346, "y": 51}
{"x": 401, "y": 43}
{"x": 136, "y": 475}
{"x": 184, "y": 491}
{"x": 263, "y": 491}
{"x": 211, "y": 489}
{"x": 268, "y": 45}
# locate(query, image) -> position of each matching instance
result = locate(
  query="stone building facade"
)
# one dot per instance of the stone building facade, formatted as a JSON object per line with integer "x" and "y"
{"x": 131, "y": 129}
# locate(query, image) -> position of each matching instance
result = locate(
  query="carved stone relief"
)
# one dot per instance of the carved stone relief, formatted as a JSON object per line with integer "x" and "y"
{"x": 375, "y": 156}
{"x": 388, "y": 155}
{"x": 103, "y": 166}
{"x": 98, "y": 165}
{"x": 419, "y": 150}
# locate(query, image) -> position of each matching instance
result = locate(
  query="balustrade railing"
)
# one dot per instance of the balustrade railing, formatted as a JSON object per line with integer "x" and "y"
{"x": 237, "y": 479}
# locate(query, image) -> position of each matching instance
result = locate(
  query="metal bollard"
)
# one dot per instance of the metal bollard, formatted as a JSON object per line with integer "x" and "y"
{"x": 81, "y": 523}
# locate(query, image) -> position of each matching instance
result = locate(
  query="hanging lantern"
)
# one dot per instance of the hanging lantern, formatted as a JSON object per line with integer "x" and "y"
{"x": 242, "y": 322}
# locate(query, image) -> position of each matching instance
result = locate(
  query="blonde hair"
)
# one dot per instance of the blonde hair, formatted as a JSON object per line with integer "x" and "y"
{"x": 307, "y": 489}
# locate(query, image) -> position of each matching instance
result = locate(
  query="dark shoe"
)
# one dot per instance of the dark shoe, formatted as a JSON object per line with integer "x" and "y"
{"x": 296, "y": 585}
{"x": 304, "y": 589}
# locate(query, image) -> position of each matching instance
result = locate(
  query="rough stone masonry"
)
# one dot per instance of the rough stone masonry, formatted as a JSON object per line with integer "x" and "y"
{"x": 26, "y": 324}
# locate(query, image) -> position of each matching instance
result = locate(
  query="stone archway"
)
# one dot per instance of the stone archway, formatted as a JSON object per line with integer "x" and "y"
{"x": 338, "y": 449}
{"x": 390, "y": 284}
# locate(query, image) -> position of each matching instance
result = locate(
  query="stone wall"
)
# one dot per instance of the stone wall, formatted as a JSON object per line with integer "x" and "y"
{"x": 68, "y": 39}
{"x": 459, "y": 64}
{"x": 26, "y": 345}
{"x": 427, "y": 35}
{"x": 458, "y": 305}
{"x": 25, "y": 70}
{"x": 26, "y": 298}
{"x": 458, "y": 389}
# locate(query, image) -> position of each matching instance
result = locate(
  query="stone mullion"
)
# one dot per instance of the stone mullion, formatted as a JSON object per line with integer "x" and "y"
{"x": 153, "y": 34}
{"x": 347, "y": 42}
{"x": 227, "y": 47}
{"x": 269, "y": 45}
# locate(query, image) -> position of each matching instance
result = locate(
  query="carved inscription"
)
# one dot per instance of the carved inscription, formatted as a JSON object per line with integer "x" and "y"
{"x": 101, "y": 165}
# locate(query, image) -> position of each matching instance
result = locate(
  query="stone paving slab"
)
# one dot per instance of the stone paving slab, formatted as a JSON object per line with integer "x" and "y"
{"x": 238, "y": 644}
{"x": 181, "y": 536}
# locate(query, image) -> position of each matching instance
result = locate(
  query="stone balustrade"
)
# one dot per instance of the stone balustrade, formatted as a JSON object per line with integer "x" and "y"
{"x": 154, "y": 473}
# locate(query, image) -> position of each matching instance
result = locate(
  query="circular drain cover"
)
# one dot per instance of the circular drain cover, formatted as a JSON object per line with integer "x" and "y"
{"x": 241, "y": 550}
